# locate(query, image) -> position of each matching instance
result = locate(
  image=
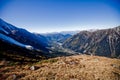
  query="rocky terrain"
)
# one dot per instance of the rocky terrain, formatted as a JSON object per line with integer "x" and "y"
{"x": 79, "y": 67}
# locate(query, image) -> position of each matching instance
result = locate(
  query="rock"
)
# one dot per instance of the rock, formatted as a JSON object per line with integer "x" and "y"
{"x": 14, "y": 76}
{"x": 32, "y": 68}
{"x": 72, "y": 63}
{"x": 29, "y": 47}
{"x": 96, "y": 60}
{"x": 115, "y": 66}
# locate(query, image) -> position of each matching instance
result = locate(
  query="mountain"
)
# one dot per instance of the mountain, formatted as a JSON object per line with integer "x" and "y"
{"x": 69, "y": 32}
{"x": 57, "y": 37}
{"x": 14, "y": 38}
{"x": 20, "y": 42}
{"x": 21, "y": 37}
{"x": 104, "y": 42}
{"x": 15, "y": 53}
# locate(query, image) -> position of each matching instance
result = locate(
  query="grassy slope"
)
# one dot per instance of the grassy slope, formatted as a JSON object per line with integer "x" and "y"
{"x": 79, "y": 67}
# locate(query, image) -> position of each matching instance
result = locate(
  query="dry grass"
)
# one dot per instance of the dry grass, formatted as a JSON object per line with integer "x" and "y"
{"x": 80, "y": 67}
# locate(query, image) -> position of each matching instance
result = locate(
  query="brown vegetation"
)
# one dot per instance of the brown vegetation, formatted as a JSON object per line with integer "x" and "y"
{"x": 79, "y": 67}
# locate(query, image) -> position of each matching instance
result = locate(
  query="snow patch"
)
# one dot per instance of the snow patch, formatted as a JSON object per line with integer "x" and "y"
{"x": 29, "y": 47}
{"x": 14, "y": 31}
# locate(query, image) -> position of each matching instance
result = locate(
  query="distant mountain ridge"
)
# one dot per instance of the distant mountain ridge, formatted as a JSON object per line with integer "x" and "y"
{"x": 104, "y": 42}
{"x": 57, "y": 37}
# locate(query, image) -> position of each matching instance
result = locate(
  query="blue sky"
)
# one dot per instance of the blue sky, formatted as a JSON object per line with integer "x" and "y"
{"x": 61, "y": 15}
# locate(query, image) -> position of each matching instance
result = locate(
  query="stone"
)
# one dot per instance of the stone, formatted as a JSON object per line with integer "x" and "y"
{"x": 32, "y": 68}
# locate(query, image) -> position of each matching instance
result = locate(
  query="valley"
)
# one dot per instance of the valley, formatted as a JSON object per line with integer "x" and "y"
{"x": 84, "y": 55}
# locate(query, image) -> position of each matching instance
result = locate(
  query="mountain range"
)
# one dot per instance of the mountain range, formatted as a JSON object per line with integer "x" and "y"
{"x": 104, "y": 42}
{"x": 18, "y": 41}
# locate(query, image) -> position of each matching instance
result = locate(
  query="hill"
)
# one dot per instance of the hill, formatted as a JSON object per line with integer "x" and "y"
{"x": 79, "y": 67}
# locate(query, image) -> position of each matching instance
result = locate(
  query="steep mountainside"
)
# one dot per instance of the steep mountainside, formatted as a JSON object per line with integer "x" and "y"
{"x": 101, "y": 42}
{"x": 21, "y": 37}
{"x": 19, "y": 44}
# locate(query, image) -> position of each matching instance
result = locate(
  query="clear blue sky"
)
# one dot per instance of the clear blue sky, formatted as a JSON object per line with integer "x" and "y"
{"x": 61, "y": 15}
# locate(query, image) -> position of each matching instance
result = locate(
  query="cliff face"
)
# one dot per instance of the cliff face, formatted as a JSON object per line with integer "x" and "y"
{"x": 101, "y": 42}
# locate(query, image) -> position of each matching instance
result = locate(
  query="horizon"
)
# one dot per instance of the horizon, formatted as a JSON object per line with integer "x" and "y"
{"x": 64, "y": 32}
{"x": 46, "y": 16}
